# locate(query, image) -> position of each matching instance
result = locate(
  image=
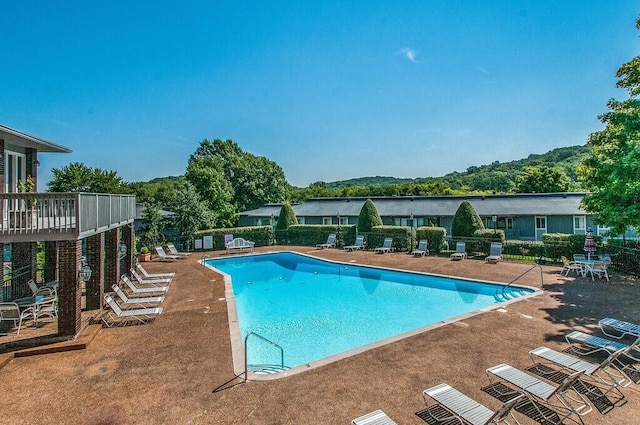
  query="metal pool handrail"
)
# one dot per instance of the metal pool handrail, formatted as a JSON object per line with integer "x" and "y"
{"x": 246, "y": 338}
{"x": 524, "y": 273}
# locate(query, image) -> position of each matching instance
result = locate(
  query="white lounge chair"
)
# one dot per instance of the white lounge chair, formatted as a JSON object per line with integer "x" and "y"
{"x": 568, "y": 266}
{"x": 604, "y": 373}
{"x": 541, "y": 393}
{"x": 422, "y": 249}
{"x": 466, "y": 410}
{"x": 331, "y": 242}
{"x": 41, "y": 290}
{"x": 618, "y": 328}
{"x": 142, "y": 290}
{"x": 10, "y": 313}
{"x": 164, "y": 256}
{"x": 596, "y": 344}
{"x": 150, "y": 281}
{"x": 153, "y": 275}
{"x": 357, "y": 245}
{"x": 377, "y": 417}
{"x": 173, "y": 251}
{"x": 495, "y": 253}
{"x": 461, "y": 251}
{"x": 386, "y": 246}
{"x": 117, "y": 314}
{"x": 140, "y": 301}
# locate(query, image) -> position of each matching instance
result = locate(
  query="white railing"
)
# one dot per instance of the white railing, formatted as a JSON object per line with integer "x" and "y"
{"x": 62, "y": 216}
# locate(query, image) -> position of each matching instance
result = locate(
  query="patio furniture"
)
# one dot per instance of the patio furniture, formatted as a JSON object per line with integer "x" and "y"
{"x": 173, "y": 251}
{"x": 618, "y": 329}
{"x": 591, "y": 344}
{"x": 153, "y": 275}
{"x": 357, "y": 245}
{"x": 461, "y": 251}
{"x": 142, "y": 290}
{"x": 117, "y": 315}
{"x": 540, "y": 393}
{"x": 164, "y": 256}
{"x": 495, "y": 253}
{"x": 386, "y": 246}
{"x": 140, "y": 301}
{"x": 422, "y": 249}
{"x": 466, "y": 410}
{"x": 239, "y": 245}
{"x": 377, "y": 417}
{"x": 50, "y": 288}
{"x": 11, "y": 313}
{"x": 596, "y": 267}
{"x": 149, "y": 281}
{"x": 570, "y": 266}
{"x": 331, "y": 242}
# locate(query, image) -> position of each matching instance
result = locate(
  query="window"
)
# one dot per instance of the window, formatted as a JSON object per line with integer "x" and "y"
{"x": 15, "y": 170}
{"x": 541, "y": 223}
{"x": 327, "y": 221}
{"x": 300, "y": 220}
{"x": 343, "y": 221}
{"x": 509, "y": 223}
{"x": 579, "y": 224}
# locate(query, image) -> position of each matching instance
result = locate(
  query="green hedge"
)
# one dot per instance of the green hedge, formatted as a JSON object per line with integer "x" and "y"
{"x": 261, "y": 235}
{"x": 312, "y": 234}
{"x": 435, "y": 237}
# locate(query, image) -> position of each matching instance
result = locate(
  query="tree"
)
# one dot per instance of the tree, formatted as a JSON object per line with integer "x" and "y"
{"x": 206, "y": 176}
{"x": 369, "y": 217}
{"x": 77, "y": 177}
{"x": 466, "y": 221}
{"x": 286, "y": 218}
{"x": 611, "y": 172}
{"x": 191, "y": 214}
{"x": 152, "y": 228}
{"x": 542, "y": 179}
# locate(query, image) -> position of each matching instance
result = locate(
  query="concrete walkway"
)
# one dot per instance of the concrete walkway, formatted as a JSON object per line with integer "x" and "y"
{"x": 166, "y": 372}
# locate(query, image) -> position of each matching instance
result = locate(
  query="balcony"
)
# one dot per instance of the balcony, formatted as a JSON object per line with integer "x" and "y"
{"x": 29, "y": 217}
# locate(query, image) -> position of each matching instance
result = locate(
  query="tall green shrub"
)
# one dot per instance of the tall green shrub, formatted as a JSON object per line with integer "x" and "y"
{"x": 466, "y": 221}
{"x": 369, "y": 217}
{"x": 286, "y": 218}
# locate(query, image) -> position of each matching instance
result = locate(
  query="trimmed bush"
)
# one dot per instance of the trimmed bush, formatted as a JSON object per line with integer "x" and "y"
{"x": 466, "y": 221}
{"x": 400, "y": 234}
{"x": 286, "y": 218}
{"x": 369, "y": 217}
{"x": 434, "y": 235}
{"x": 261, "y": 235}
{"x": 310, "y": 234}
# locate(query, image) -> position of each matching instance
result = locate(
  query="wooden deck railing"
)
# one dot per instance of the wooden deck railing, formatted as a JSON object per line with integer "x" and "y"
{"x": 62, "y": 216}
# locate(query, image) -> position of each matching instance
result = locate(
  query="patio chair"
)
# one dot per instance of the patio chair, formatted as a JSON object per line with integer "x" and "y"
{"x": 495, "y": 253}
{"x": 460, "y": 407}
{"x": 461, "y": 251}
{"x": 10, "y": 313}
{"x": 579, "y": 257}
{"x": 377, "y": 417}
{"x": 140, "y": 301}
{"x": 142, "y": 290}
{"x": 357, "y": 245}
{"x": 422, "y": 249}
{"x": 569, "y": 266}
{"x": 597, "y": 267}
{"x": 164, "y": 256}
{"x": 153, "y": 275}
{"x": 618, "y": 329}
{"x": 604, "y": 373}
{"x": 331, "y": 242}
{"x": 541, "y": 393}
{"x": 173, "y": 251}
{"x": 41, "y": 290}
{"x": 150, "y": 281}
{"x": 588, "y": 344}
{"x": 386, "y": 246}
{"x": 118, "y": 316}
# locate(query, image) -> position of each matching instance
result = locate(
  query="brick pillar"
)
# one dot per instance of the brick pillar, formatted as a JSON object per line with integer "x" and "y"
{"x": 2, "y": 162}
{"x": 94, "y": 288}
{"x": 69, "y": 292}
{"x": 111, "y": 261}
{"x": 50, "y": 261}
{"x": 128, "y": 238}
{"x": 23, "y": 257}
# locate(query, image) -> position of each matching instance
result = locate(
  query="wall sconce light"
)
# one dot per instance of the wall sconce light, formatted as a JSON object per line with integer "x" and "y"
{"x": 122, "y": 251}
{"x": 36, "y": 163}
{"x": 84, "y": 274}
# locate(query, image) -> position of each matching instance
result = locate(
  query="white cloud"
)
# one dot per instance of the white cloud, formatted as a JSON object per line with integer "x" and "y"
{"x": 409, "y": 53}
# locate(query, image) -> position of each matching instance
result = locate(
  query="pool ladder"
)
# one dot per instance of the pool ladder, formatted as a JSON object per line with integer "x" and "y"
{"x": 501, "y": 293}
{"x": 262, "y": 369}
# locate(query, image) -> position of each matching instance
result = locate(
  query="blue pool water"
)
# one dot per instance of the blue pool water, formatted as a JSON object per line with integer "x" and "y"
{"x": 316, "y": 309}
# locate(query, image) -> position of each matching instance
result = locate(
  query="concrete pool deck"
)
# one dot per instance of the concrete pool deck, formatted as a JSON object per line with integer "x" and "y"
{"x": 174, "y": 370}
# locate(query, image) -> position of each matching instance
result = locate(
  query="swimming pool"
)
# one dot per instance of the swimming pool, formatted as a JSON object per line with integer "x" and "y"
{"x": 315, "y": 309}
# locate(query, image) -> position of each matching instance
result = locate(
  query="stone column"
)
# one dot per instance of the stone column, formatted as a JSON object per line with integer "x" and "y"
{"x": 69, "y": 292}
{"x": 50, "y": 261}
{"x": 95, "y": 287}
{"x": 128, "y": 238}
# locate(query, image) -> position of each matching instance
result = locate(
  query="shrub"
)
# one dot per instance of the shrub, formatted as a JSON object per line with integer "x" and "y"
{"x": 369, "y": 217}
{"x": 466, "y": 221}
{"x": 434, "y": 235}
{"x": 286, "y": 218}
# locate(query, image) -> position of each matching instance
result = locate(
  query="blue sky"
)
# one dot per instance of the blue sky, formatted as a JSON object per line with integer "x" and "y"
{"x": 329, "y": 90}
